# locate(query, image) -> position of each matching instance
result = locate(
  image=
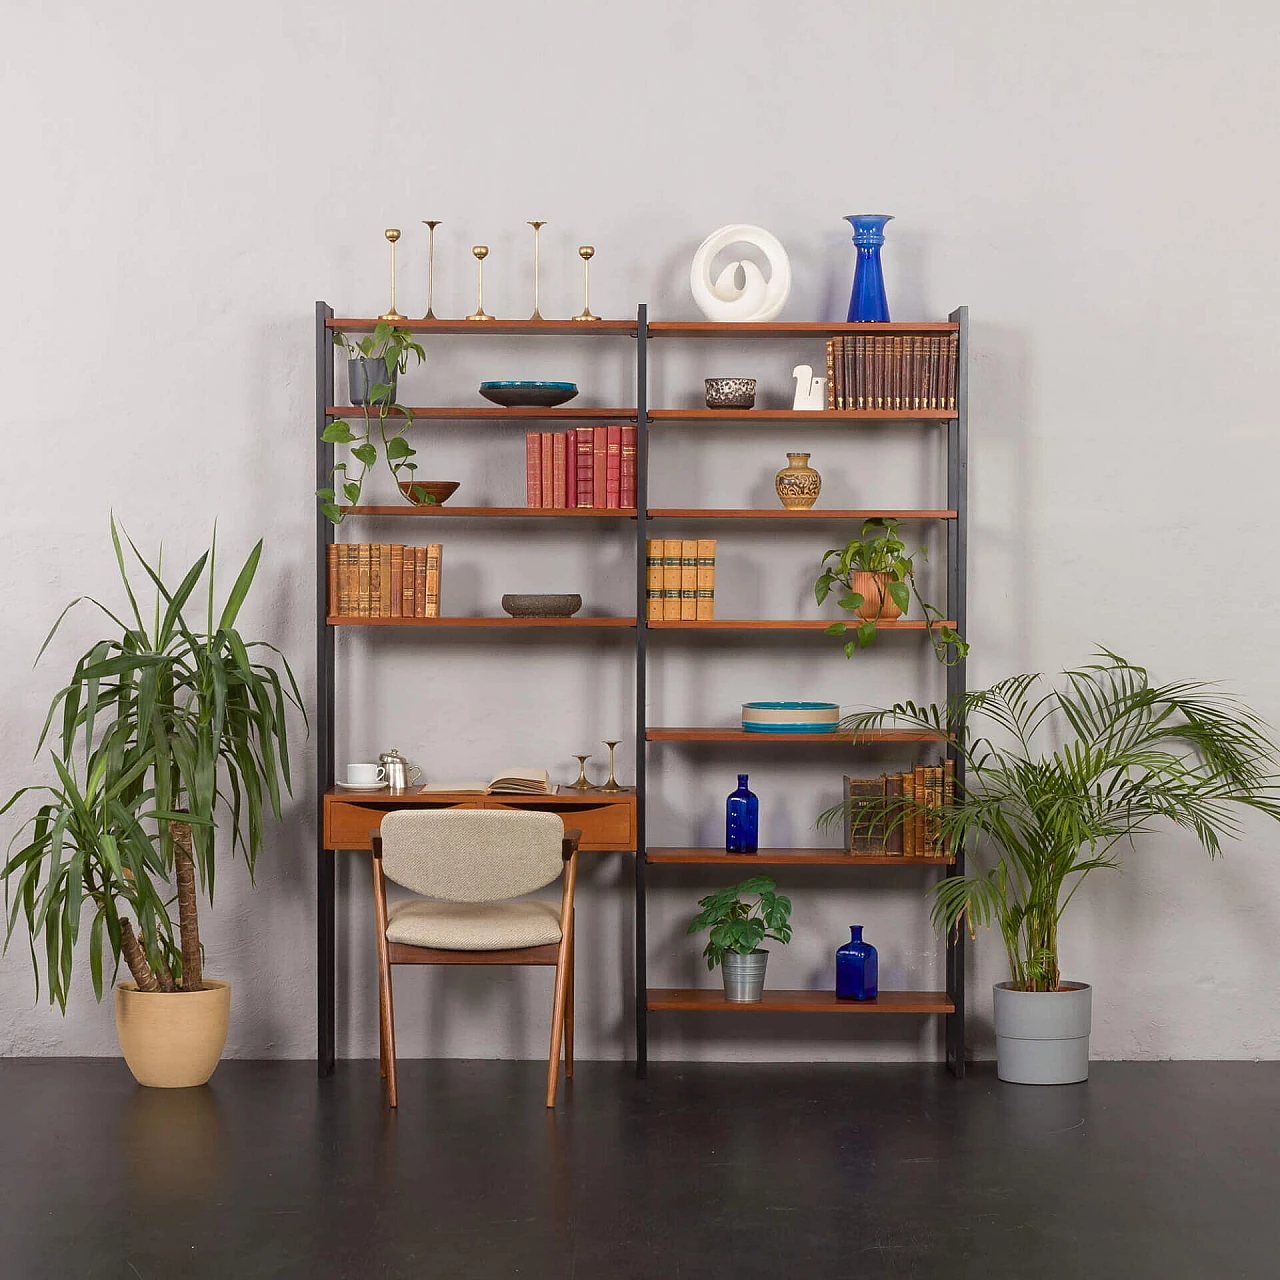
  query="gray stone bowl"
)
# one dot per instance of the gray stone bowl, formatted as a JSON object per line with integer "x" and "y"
{"x": 730, "y": 393}
{"x": 544, "y": 606}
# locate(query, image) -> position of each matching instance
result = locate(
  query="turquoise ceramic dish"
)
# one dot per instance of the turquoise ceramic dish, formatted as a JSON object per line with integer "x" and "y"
{"x": 541, "y": 395}
{"x": 790, "y": 717}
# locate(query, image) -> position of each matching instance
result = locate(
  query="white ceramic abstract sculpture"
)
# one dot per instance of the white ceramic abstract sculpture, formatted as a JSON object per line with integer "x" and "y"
{"x": 811, "y": 392}
{"x": 722, "y": 299}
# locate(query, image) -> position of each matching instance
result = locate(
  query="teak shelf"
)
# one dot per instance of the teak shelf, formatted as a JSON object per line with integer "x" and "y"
{"x": 952, "y": 511}
{"x": 707, "y": 1000}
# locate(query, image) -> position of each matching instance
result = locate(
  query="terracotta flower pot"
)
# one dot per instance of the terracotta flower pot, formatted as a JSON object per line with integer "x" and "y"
{"x": 172, "y": 1039}
{"x": 877, "y": 604}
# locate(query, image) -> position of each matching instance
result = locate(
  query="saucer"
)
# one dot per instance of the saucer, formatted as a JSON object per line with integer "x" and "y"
{"x": 362, "y": 786}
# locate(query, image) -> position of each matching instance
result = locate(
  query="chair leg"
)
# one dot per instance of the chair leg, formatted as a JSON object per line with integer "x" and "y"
{"x": 557, "y": 1020}
{"x": 382, "y": 1030}
{"x": 568, "y": 1013}
{"x": 389, "y": 1017}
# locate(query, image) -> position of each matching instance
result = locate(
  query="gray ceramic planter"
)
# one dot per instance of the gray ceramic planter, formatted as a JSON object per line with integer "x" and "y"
{"x": 363, "y": 374}
{"x": 744, "y": 976}
{"x": 1042, "y": 1037}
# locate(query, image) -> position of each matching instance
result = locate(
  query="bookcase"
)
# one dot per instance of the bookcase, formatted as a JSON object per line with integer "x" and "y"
{"x": 645, "y": 522}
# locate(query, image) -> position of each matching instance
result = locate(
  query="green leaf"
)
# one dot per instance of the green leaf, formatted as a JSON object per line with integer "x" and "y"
{"x": 365, "y": 453}
{"x": 901, "y": 595}
{"x": 399, "y": 447}
{"x": 351, "y": 491}
{"x": 337, "y": 433}
{"x": 837, "y": 629}
{"x": 866, "y": 634}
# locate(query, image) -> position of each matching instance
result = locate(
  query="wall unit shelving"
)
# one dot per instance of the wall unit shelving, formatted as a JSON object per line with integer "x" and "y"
{"x": 947, "y": 1003}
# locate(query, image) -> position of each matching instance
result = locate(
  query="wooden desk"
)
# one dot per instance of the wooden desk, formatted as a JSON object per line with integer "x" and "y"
{"x": 607, "y": 823}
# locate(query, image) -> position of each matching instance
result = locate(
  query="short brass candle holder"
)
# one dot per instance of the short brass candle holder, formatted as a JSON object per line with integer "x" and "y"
{"x": 581, "y": 782}
{"x": 612, "y": 784}
{"x": 392, "y": 315}
{"x": 431, "y": 261}
{"x": 537, "y": 226}
{"x": 481, "y": 252}
{"x": 586, "y": 252}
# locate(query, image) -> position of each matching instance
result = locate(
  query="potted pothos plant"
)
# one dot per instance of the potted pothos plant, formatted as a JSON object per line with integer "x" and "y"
{"x": 738, "y": 928}
{"x": 878, "y": 580}
{"x": 169, "y": 739}
{"x": 373, "y": 366}
{"x": 1059, "y": 779}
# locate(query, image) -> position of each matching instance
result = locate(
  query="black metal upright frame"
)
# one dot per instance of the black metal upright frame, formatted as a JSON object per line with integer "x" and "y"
{"x": 642, "y": 716}
{"x": 326, "y": 1044}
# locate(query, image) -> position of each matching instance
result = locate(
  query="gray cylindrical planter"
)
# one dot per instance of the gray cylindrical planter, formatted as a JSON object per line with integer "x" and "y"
{"x": 365, "y": 373}
{"x": 744, "y": 976}
{"x": 1042, "y": 1037}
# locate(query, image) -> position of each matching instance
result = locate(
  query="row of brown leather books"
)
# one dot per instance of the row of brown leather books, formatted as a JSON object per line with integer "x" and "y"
{"x": 897, "y": 814}
{"x": 383, "y": 580}
{"x": 680, "y": 579}
{"x": 899, "y": 371}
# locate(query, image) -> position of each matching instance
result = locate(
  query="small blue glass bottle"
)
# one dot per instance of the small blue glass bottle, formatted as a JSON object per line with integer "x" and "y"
{"x": 742, "y": 819}
{"x": 868, "y": 301}
{"x": 856, "y": 968}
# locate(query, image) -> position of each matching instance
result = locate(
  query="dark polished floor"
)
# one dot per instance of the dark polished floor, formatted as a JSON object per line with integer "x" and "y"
{"x": 1159, "y": 1170}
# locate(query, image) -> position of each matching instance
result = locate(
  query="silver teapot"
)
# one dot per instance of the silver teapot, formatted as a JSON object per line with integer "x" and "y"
{"x": 398, "y": 771}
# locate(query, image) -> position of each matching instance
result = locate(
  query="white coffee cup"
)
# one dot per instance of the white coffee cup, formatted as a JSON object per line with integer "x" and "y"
{"x": 365, "y": 775}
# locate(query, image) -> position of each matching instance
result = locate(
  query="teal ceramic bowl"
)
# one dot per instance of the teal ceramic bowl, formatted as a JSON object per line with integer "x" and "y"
{"x": 790, "y": 717}
{"x": 539, "y": 395}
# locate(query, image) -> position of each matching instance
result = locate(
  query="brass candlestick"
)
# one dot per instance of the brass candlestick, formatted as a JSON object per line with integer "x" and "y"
{"x": 581, "y": 782}
{"x": 586, "y": 253}
{"x": 612, "y": 784}
{"x": 537, "y": 226}
{"x": 431, "y": 261}
{"x": 481, "y": 252}
{"x": 392, "y": 315}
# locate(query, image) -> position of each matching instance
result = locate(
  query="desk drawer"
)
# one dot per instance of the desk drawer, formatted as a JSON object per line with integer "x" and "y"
{"x": 607, "y": 825}
{"x": 348, "y": 822}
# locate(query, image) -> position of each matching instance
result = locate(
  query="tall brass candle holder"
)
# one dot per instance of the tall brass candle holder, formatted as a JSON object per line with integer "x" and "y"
{"x": 612, "y": 784}
{"x": 581, "y": 782}
{"x": 392, "y": 315}
{"x": 586, "y": 253}
{"x": 537, "y": 226}
{"x": 431, "y": 261}
{"x": 481, "y": 252}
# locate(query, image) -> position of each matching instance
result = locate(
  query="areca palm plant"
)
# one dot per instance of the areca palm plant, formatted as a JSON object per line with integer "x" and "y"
{"x": 1061, "y": 777}
{"x": 166, "y": 735}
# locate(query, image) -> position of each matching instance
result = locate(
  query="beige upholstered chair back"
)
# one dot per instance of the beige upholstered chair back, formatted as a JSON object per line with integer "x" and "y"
{"x": 472, "y": 855}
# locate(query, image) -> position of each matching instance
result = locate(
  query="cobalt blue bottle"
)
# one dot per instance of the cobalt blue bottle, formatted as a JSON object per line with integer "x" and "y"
{"x": 742, "y": 819}
{"x": 856, "y": 968}
{"x": 868, "y": 301}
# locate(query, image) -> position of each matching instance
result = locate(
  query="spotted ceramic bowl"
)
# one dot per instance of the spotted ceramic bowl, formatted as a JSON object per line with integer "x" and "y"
{"x": 730, "y": 393}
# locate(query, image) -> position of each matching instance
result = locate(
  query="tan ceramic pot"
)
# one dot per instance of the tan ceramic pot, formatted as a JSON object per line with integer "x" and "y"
{"x": 172, "y": 1039}
{"x": 877, "y": 604}
{"x": 798, "y": 484}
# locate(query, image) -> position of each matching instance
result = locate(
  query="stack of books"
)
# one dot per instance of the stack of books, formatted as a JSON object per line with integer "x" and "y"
{"x": 897, "y": 371}
{"x": 587, "y": 467}
{"x": 383, "y": 580}
{"x": 896, "y": 814}
{"x": 680, "y": 579}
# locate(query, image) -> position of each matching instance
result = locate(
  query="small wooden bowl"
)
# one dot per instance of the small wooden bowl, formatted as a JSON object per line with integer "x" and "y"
{"x": 420, "y": 492}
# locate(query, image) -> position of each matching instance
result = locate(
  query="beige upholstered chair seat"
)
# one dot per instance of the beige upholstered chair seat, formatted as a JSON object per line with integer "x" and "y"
{"x": 474, "y": 926}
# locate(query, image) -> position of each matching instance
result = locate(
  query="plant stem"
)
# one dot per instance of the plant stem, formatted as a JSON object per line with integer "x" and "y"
{"x": 136, "y": 958}
{"x": 184, "y": 870}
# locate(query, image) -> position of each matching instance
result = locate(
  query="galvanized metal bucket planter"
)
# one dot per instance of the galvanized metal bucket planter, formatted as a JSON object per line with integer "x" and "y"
{"x": 1042, "y": 1037}
{"x": 744, "y": 976}
{"x": 364, "y": 373}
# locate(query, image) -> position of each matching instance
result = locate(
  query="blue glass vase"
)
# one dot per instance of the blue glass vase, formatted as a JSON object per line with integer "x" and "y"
{"x": 741, "y": 819}
{"x": 867, "y": 301}
{"x": 856, "y": 968}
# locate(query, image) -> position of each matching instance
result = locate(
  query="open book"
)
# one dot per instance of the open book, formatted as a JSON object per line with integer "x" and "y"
{"x": 517, "y": 780}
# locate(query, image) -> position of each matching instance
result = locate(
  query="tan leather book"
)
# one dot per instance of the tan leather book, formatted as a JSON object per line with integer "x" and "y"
{"x": 419, "y": 582}
{"x": 689, "y": 580}
{"x": 909, "y": 820}
{"x": 432, "y": 600}
{"x": 653, "y": 580}
{"x": 362, "y": 602}
{"x": 397, "y": 579}
{"x": 671, "y": 580}
{"x": 331, "y": 578}
{"x": 375, "y": 581}
{"x": 384, "y": 580}
{"x": 406, "y": 582}
{"x": 706, "y": 598}
{"x": 893, "y": 803}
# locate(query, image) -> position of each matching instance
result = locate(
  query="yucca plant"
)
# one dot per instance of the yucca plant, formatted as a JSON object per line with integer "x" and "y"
{"x": 1060, "y": 778}
{"x": 165, "y": 737}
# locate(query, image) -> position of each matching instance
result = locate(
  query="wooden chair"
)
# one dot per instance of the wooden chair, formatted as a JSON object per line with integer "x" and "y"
{"x": 468, "y": 864}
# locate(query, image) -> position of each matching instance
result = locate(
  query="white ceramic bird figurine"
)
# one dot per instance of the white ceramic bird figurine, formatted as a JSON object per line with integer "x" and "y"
{"x": 811, "y": 392}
